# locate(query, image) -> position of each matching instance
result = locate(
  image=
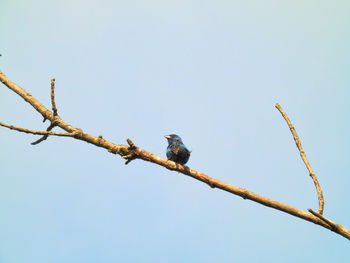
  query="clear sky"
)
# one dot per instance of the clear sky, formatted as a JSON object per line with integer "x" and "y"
{"x": 210, "y": 71}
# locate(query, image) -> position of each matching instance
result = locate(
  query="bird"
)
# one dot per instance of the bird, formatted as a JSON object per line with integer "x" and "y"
{"x": 176, "y": 150}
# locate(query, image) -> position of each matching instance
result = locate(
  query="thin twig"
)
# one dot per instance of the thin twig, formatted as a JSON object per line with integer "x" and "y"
{"x": 54, "y": 109}
{"x": 52, "y": 125}
{"x": 303, "y": 156}
{"x": 45, "y": 133}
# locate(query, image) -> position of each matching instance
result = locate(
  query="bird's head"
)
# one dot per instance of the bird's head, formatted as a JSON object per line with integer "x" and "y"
{"x": 173, "y": 138}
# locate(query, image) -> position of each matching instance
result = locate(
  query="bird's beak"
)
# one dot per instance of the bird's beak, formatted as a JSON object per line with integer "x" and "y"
{"x": 167, "y": 137}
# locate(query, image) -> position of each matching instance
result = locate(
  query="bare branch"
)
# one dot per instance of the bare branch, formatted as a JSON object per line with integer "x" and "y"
{"x": 45, "y": 133}
{"x": 303, "y": 156}
{"x": 45, "y": 136}
{"x": 26, "y": 96}
{"x": 131, "y": 151}
{"x": 54, "y": 109}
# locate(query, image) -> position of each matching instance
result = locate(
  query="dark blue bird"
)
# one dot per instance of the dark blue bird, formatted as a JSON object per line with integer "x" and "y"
{"x": 176, "y": 150}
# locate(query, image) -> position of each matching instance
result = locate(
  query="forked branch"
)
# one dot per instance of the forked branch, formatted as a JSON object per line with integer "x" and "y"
{"x": 131, "y": 152}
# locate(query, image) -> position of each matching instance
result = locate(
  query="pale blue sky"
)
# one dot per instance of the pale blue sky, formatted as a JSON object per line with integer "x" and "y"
{"x": 210, "y": 71}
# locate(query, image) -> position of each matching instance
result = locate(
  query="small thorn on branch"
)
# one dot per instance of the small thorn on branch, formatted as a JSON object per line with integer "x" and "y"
{"x": 211, "y": 184}
{"x": 129, "y": 160}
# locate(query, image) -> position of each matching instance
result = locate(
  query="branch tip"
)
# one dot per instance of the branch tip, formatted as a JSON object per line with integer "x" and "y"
{"x": 54, "y": 109}
{"x": 303, "y": 157}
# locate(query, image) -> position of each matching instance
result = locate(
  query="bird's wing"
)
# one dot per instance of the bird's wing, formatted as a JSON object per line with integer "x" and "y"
{"x": 175, "y": 147}
{"x": 186, "y": 150}
{"x": 180, "y": 147}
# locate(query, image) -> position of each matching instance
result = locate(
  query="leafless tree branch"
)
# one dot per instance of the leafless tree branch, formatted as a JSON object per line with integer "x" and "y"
{"x": 131, "y": 152}
{"x": 303, "y": 156}
{"x": 45, "y": 133}
{"x": 54, "y": 109}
